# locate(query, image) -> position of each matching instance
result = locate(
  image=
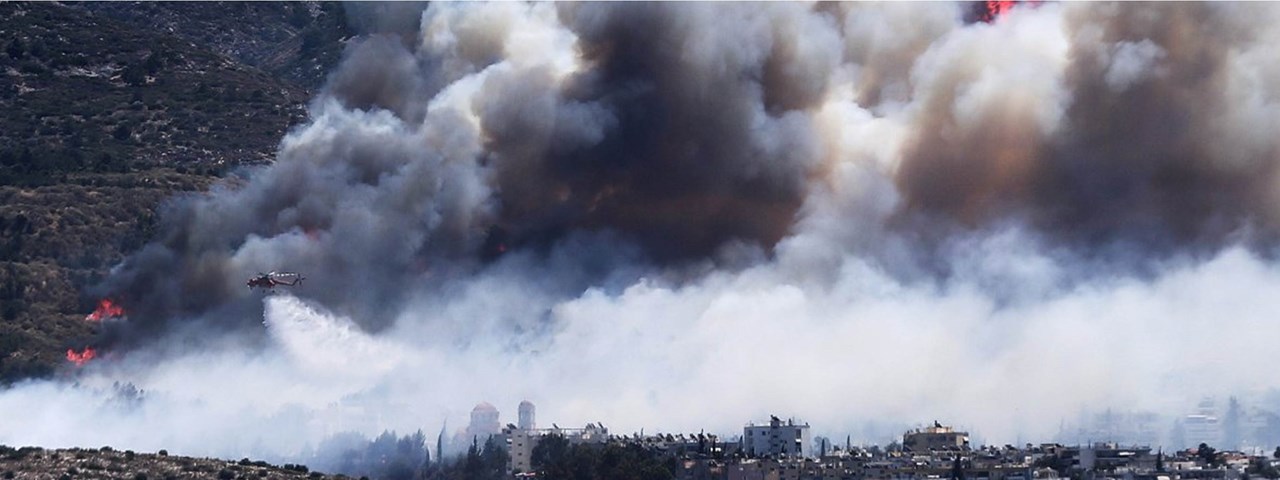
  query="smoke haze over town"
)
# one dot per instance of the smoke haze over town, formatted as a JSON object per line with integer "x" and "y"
{"x": 687, "y": 216}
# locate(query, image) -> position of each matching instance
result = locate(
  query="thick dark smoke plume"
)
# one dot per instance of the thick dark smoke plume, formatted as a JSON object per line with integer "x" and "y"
{"x": 609, "y": 206}
{"x": 1149, "y": 147}
{"x": 675, "y": 135}
{"x": 683, "y": 128}
{"x": 679, "y": 148}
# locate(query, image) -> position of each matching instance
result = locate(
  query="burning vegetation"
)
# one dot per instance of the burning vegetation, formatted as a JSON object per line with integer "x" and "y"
{"x": 106, "y": 309}
{"x": 81, "y": 357}
{"x": 990, "y": 10}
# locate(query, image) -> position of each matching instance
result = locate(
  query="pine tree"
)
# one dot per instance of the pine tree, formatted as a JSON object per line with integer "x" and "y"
{"x": 473, "y": 468}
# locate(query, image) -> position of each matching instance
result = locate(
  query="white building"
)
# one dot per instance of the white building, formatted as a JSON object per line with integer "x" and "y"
{"x": 776, "y": 439}
{"x": 1203, "y": 426}
{"x": 484, "y": 423}
{"x": 527, "y": 411}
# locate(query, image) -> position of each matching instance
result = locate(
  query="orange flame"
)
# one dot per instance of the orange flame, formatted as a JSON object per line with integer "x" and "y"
{"x": 81, "y": 357}
{"x": 106, "y": 309}
{"x": 996, "y": 8}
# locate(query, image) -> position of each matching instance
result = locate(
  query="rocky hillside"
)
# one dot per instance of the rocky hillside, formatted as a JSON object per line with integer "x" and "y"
{"x": 85, "y": 92}
{"x": 296, "y": 41}
{"x": 75, "y": 463}
{"x": 108, "y": 116}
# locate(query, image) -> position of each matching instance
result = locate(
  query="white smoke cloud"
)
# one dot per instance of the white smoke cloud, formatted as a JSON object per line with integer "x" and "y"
{"x": 711, "y": 354}
{"x": 1132, "y": 61}
{"x": 840, "y": 323}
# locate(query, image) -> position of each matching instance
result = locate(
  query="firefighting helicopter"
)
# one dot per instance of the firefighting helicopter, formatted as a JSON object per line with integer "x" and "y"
{"x": 269, "y": 280}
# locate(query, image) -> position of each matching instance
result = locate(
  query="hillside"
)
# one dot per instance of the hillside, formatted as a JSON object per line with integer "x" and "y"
{"x": 299, "y": 42}
{"x": 76, "y": 83}
{"x": 32, "y": 462}
{"x": 105, "y": 119}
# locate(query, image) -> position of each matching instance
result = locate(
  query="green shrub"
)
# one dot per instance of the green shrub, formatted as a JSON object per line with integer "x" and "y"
{"x": 134, "y": 75}
{"x": 296, "y": 468}
{"x": 121, "y": 132}
{"x": 33, "y": 67}
{"x": 16, "y": 49}
{"x": 25, "y": 452}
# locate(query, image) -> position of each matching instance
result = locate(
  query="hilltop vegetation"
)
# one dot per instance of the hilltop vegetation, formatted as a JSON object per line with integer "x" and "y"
{"x": 33, "y": 462}
{"x": 88, "y": 93}
{"x": 108, "y": 114}
{"x": 299, "y": 42}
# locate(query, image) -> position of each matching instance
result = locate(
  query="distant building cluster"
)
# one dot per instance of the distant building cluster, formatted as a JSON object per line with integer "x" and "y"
{"x": 784, "y": 450}
{"x": 519, "y": 439}
{"x": 940, "y": 452}
{"x": 1240, "y": 423}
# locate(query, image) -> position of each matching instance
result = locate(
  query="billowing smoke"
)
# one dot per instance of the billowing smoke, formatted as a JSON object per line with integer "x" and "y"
{"x": 542, "y": 131}
{"x": 1139, "y": 126}
{"x": 684, "y": 216}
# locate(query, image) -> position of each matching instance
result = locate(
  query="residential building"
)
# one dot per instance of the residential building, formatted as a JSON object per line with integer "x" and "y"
{"x": 521, "y": 442}
{"x": 776, "y": 439}
{"x": 937, "y": 437}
